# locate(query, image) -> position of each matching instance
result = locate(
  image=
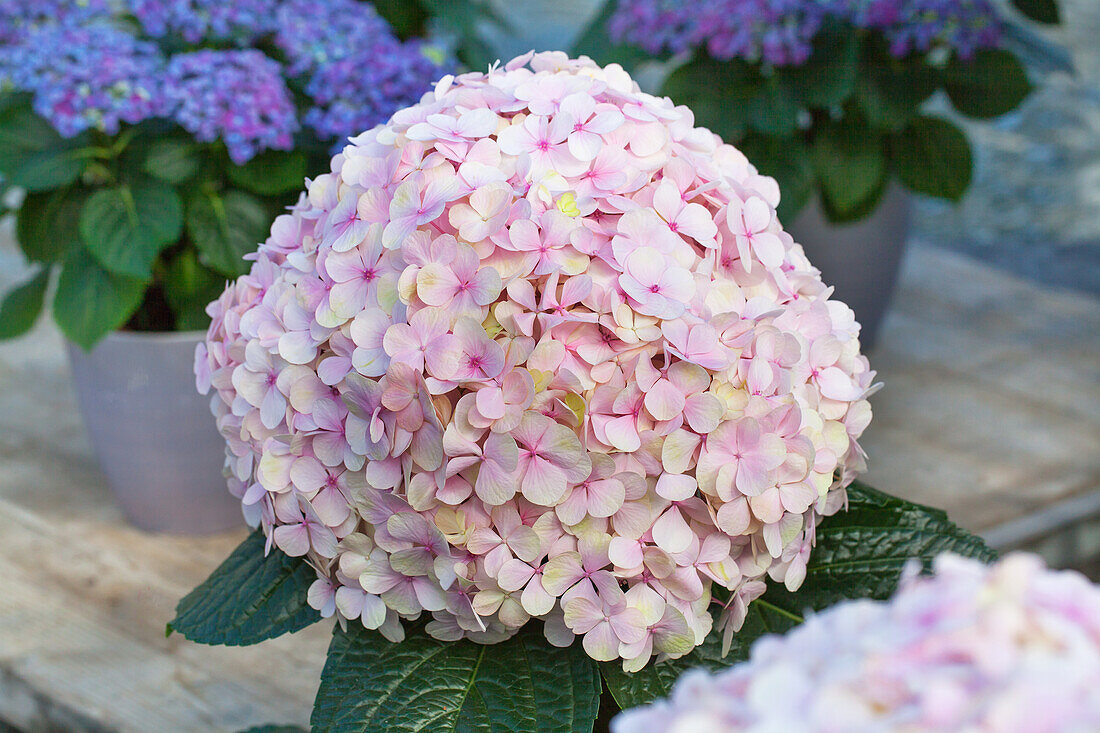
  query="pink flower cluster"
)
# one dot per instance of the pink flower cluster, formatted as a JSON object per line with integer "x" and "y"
{"x": 538, "y": 347}
{"x": 1012, "y": 648}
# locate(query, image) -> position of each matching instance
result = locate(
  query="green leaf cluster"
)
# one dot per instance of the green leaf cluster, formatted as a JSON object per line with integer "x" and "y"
{"x": 524, "y": 684}
{"x": 847, "y": 122}
{"x": 121, "y": 223}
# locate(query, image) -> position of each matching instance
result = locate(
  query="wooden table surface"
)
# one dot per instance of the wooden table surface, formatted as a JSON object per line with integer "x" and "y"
{"x": 991, "y": 410}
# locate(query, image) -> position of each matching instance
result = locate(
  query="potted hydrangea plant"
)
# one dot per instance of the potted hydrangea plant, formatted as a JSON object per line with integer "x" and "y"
{"x": 156, "y": 143}
{"x": 551, "y": 405}
{"x": 827, "y": 96}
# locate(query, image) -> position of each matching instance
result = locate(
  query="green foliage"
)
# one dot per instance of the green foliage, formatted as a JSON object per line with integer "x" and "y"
{"x": 888, "y": 91}
{"x": 249, "y": 598}
{"x": 172, "y": 160}
{"x": 787, "y": 161}
{"x": 721, "y": 94}
{"x": 465, "y": 19}
{"x": 423, "y": 684}
{"x": 989, "y": 85}
{"x": 860, "y": 553}
{"x": 274, "y": 728}
{"x": 271, "y": 172}
{"x": 125, "y": 227}
{"x": 20, "y": 308}
{"x": 829, "y": 76}
{"x": 188, "y": 287}
{"x": 931, "y": 156}
{"x": 850, "y": 165}
{"x": 1042, "y": 11}
{"x": 595, "y": 43}
{"x": 47, "y": 224}
{"x": 32, "y": 155}
{"x": 91, "y": 301}
{"x": 225, "y": 227}
{"x": 109, "y": 210}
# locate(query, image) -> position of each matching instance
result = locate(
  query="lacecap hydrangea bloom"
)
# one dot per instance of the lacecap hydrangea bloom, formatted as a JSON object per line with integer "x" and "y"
{"x": 538, "y": 348}
{"x": 1012, "y": 648}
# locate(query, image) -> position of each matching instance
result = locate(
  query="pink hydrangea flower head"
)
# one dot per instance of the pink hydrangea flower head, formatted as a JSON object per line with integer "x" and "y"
{"x": 538, "y": 348}
{"x": 1008, "y": 647}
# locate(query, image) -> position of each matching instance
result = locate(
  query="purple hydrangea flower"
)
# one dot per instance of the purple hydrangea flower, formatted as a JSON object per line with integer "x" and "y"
{"x": 312, "y": 34}
{"x": 654, "y": 25}
{"x": 781, "y": 32}
{"x": 198, "y": 20}
{"x": 20, "y": 17}
{"x": 87, "y": 77}
{"x": 962, "y": 25}
{"x": 356, "y": 93}
{"x": 236, "y": 96}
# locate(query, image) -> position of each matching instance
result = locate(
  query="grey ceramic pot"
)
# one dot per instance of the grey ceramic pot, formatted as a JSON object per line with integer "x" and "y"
{"x": 861, "y": 260}
{"x": 153, "y": 434}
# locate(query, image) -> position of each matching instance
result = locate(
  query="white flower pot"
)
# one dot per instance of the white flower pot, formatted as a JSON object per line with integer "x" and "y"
{"x": 862, "y": 259}
{"x": 153, "y": 434}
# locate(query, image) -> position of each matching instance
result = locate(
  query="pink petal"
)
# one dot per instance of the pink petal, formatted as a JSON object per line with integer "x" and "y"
{"x": 622, "y": 433}
{"x": 676, "y": 487}
{"x": 671, "y": 533}
{"x": 542, "y": 482}
{"x": 664, "y": 401}
{"x": 514, "y": 574}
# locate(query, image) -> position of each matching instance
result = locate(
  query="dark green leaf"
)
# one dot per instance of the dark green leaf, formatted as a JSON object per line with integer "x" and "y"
{"x": 125, "y": 228}
{"x": 225, "y": 227}
{"x": 1043, "y": 11}
{"x": 850, "y": 166}
{"x": 787, "y": 161}
{"x": 271, "y": 172}
{"x": 48, "y": 223}
{"x": 466, "y": 20}
{"x": 988, "y": 85}
{"x": 248, "y": 599}
{"x": 274, "y": 728}
{"x": 721, "y": 94}
{"x": 406, "y": 18}
{"x": 774, "y": 110}
{"x": 656, "y": 680}
{"x": 189, "y": 287}
{"x": 522, "y": 685}
{"x": 20, "y": 308}
{"x": 32, "y": 154}
{"x": 860, "y": 553}
{"x": 931, "y": 156}
{"x": 172, "y": 160}
{"x": 827, "y": 79}
{"x": 90, "y": 301}
{"x": 889, "y": 92}
{"x": 595, "y": 43}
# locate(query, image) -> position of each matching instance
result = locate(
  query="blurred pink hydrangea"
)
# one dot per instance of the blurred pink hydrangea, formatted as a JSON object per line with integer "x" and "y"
{"x": 538, "y": 348}
{"x": 1008, "y": 648}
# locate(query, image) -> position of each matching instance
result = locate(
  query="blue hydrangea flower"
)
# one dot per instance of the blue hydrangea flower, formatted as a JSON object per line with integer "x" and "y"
{"x": 355, "y": 93}
{"x": 20, "y": 17}
{"x": 312, "y": 34}
{"x": 87, "y": 77}
{"x": 199, "y": 20}
{"x": 781, "y": 32}
{"x": 236, "y": 96}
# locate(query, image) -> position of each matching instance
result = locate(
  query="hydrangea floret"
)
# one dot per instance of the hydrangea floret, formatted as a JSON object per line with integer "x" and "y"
{"x": 1012, "y": 647}
{"x": 539, "y": 348}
